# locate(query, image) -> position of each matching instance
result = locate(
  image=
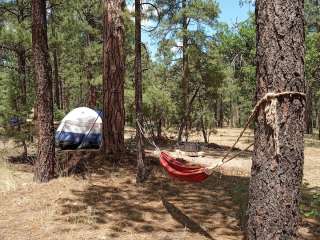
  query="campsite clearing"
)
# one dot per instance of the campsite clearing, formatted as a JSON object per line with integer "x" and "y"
{"x": 107, "y": 204}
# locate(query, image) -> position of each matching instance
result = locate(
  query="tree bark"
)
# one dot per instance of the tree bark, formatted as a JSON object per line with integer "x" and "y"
{"x": 56, "y": 78}
{"x": 308, "y": 113}
{"x": 113, "y": 78}
{"x": 92, "y": 96}
{"x": 141, "y": 168}
{"x": 44, "y": 165}
{"x": 62, "y": 96}
{"x": 277, "y": 166}
{"x": 204, "y": 130}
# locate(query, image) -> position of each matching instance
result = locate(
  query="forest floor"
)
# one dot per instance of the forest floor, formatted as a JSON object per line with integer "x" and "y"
{"x": 105, "y": 203}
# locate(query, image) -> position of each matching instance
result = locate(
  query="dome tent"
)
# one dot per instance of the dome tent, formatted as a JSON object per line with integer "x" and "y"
{"x": 80, "y": 128}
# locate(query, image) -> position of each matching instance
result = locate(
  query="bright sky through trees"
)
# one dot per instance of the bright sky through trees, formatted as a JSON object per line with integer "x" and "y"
{"x": 230, "y": 12}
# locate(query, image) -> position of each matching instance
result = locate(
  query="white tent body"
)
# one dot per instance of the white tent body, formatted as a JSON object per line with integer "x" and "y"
{"x": 80, "y": 128}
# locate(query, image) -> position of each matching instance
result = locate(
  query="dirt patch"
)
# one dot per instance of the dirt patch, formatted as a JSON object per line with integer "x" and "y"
{"x": 107, "y": 204}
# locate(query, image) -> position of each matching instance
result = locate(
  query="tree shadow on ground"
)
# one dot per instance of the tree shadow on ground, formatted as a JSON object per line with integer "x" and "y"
{"x": 215, "y": 209}
{"x": 310, "y": 224}
{"x": 113, "y": 201}
{"x": 183, "y": 219}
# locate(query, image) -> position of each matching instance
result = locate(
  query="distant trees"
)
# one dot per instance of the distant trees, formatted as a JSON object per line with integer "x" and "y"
{"x": 312, "y": 16}
{"x": 113, "y": 77}
{"x": 201, "y": 77}
{"x": 44, "y": 164}
{"x": 75, "y": 45}
{"x": 175, "y": 31}
{"x": 278, "y": 157}
{"x": 15, "y": 41}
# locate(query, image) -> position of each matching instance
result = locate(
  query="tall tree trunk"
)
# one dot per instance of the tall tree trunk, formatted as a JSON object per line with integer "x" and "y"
{"x": 187, "y": 119}
{"x": 62, "y": 96}
{"x": 92, "y": 94}
{"x": 185, "y": 74}
{"x": 159, "y": 128}
{"x": 308, "y": 113}
{"x": 113, "y": 78}
{"x": 141, "y": 174}
{"x": 44, "y": 165}
{"x": 216, "y": 110}
{"x": 65, "y": 96}
{"x": 22, "y": 76}
{"x": 22, "y": 100}
{"x": 204, "y": 130}
{"x": 56, "y": 78}
{"x": 220, "y": 112}
{"x": 277, "y": 166}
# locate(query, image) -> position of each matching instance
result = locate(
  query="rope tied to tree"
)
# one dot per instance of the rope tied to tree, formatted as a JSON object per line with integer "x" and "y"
{"x": 267, "y": 97}
{"x": 151, "y": 142}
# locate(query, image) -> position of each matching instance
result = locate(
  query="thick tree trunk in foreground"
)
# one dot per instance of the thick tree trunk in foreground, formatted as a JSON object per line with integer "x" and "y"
{"x": 274, "y": 193}
{"x": 141, "y": 174}
{"x": 44, "y": 165}
{"x": 113, "y": 78}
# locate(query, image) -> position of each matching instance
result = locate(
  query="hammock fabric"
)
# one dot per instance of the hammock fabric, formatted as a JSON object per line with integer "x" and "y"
{"x": 183, "y": 172}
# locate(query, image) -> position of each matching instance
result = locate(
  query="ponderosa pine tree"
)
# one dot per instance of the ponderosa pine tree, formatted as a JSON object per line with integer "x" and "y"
{"x": 279, "y": 151}
{"x": 141, "y": 174}
{"x": 175, "y": 29}
{"x": 55, "y": 56}
{"x": 113, "y": 77}
{"x": 44, "y": 164}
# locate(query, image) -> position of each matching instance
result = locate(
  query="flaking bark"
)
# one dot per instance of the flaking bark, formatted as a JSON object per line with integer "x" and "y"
{"x": 113, "y": 78}
{"x": 274, "y": 193}
{"x": 44, "y": 164}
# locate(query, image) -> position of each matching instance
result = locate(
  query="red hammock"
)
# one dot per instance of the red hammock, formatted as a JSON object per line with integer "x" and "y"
{"x": 180, "y": 171}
